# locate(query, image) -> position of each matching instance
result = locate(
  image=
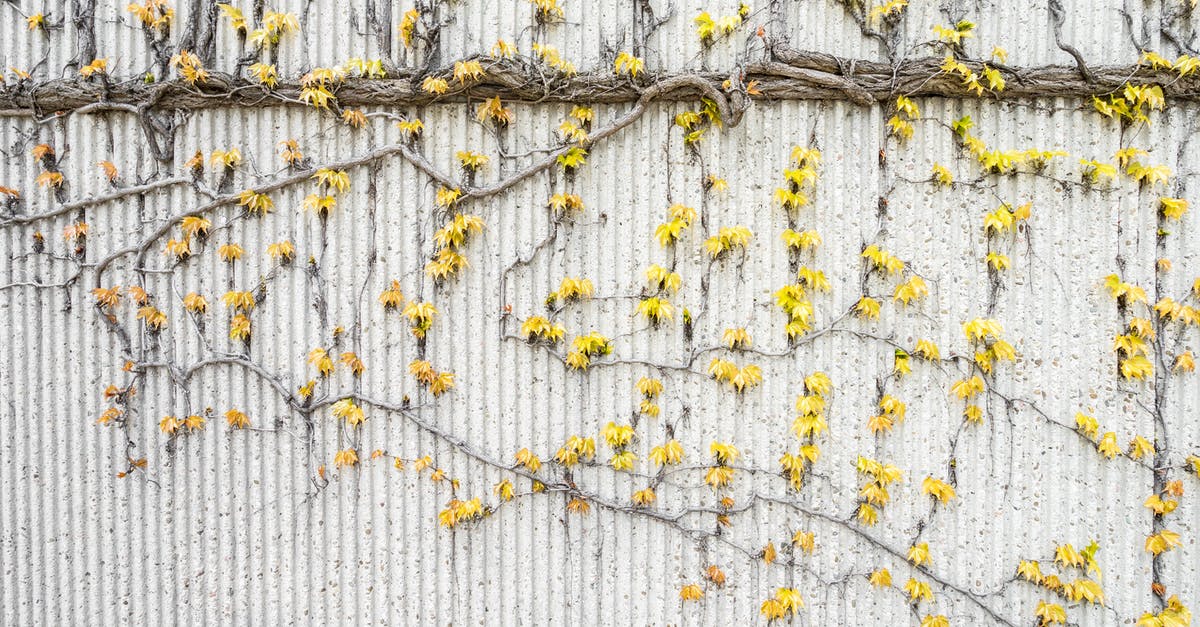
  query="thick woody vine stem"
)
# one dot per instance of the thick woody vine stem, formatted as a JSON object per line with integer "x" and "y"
{"x": 789, "y": 74}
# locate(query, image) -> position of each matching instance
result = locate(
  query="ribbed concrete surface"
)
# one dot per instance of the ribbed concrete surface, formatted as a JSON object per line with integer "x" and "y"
{"x": 236, "y": 527}
{"x": 595, "y": 31}
{"x": 231, "y": 529}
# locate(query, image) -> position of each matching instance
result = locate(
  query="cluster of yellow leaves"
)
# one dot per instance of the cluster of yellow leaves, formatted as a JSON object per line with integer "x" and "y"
{"x": 586, "y": 347}
{"x": 471, "y": 161}
{"x": 1172, "y": 208}
{"x": 618, "y": 438}
{"x": 691, "y": 592}
{"x": 997, "y": 223}
{"x": 572, "y": 158}
{"x": 1050, "y": 614}
{"x": 180, "y": 249}
{"x": 255, "y": 202}
{"x": 925, "y": 349}
{"x": 727, "y": 239}
{"x": 808, "y": 424}
{"x": 649, "y": 389}
{"x": 668, "y": 453}
{"x": 408, "y": 26}
{"x": 96, "y": 67}
{"x": 551, "y": 57}
{"x": 786, "y": 601}
{"x": 546, "y": 11}
{"x": 803, "y": 241}
{"x": 153, "y": 14}
{"x": 237, "y": 419}
{"x": 493, "y": 111}
{"x": 171, "y": 425}
{"x": 274, "y": 26}
{"x": 448, "y": 260}
{"x": 1001, "y": 161}
{"x": 908, "y": 291}
{"x": 1008, "y": 161}
{"x": 528, "y": 460}
{"x": 153, "y": 317}
{"x": 541, "y": 329}
{"x": 627, "y": 63}
{"x": 1131, "y": 348}
{"x": 1067, "y": 557}
{"x": 1106, "y": 444}
{"x": 736, "y": 337}
{"x": 565, "y": 203}
{"x": 942, "y": 175}
{"x": 354, "y": 118}
{"x": 575, "y": 128}
{"x": 900, "y": 124}
{"x": 458, "y": 511}
{"x": 436, "y": 382}
{"x": 435, "y": 85}
{"x": 656, "y": 309}
{"x": 792, "y": 299}
{"x": 1171, "y": 310}
{"x": 662, "y": 279}
{"x": 345, "y": 409}
{"x": 918, "y": 554}
{"x": 721, "y": 475}
{"x": 740, "y": 379}
{"x": 1127, "y": 159}
{"x": 195, "y": 303}
{"x": 344, "y": 458}
{"x": 365, "y": 68}
{"x": 955, "y": 36}
{"x": 696, "y": 123}
{"x": 801, "y": 180}
{"x": 239, "y": 328}
{"x": 1095, "y": 171}
{"x": 316, "y": 87}
{"x": 411, "y": 128}
{"x": 805, "y": 541}
{"x": 571, "y": 290}
{"x": 709, "y": 29}
{"x": 283, "y": 252}
{"x": 892, "y": 412}
{"x": 970, "y": 80}
{"x": 938, "y": 489}
{"x": 1185, "y": 65}
{"x": 227, "y": 159}
{"x": 1175, "y": 614}
{"x": 679, "y": 217}
{"x": 882, "y": 260}
{"x": 918, "y": 591}
{"x": 984, "y": 335}
{"x": 1125, "y": 293}
{"x": 1133, "y": 105}
{"x": 890, "y": 10}
{"x": 874, "y": 494}
{"x": 1164, "y": 540}
{"x": 392, "y": 297}
{"x": 1004, "y": 219}
{"x": 420, "y": 316}
{"x": 575, "y": 449}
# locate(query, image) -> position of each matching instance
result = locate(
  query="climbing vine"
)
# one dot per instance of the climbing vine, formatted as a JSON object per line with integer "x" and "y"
{"x": 183, "y": 294}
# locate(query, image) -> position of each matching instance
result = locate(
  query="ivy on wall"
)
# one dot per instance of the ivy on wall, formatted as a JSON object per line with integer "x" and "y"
{"x": 1151, "y": 346}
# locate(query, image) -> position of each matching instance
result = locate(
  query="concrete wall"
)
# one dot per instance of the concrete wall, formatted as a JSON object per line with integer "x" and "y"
{"x": 239, "y": 526}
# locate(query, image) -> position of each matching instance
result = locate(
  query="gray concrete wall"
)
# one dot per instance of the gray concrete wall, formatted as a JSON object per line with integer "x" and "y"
{"x": 258, "y": 526}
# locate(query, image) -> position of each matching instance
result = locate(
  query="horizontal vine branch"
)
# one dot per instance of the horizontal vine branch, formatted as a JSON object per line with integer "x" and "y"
{"x": 790, "y": 74}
